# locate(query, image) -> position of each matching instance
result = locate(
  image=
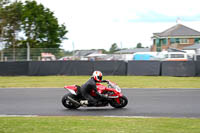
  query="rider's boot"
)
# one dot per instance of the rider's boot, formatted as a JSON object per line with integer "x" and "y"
{"x": 84, "y": 102}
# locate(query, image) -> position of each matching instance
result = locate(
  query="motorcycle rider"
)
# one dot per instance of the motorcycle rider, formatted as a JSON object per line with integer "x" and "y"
{"x": 91, "y": 85}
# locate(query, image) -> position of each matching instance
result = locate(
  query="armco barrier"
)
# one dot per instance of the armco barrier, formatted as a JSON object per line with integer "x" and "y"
{"x": 143, "y": 68}
{"x": 13, "y": 68}
{"x": 178, "y": 68}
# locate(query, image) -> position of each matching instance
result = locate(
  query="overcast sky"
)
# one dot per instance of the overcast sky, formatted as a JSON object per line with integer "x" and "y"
{"x": 97, "y": 24}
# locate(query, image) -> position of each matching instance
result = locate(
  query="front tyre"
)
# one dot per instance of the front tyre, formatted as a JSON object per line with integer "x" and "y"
{"x": 67, "y": 103}
{"x": 123, "y": 101}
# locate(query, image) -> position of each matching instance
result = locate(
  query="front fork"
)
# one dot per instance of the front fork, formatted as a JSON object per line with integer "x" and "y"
{"x": 118, "y": 99}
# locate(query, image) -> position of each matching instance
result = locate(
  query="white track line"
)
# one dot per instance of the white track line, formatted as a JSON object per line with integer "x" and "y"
{"x": 3, "y": 115}
{"x": 131, "y": 116}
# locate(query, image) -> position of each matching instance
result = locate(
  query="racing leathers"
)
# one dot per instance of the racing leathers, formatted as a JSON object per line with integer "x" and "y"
{"x": 87, "y": 88}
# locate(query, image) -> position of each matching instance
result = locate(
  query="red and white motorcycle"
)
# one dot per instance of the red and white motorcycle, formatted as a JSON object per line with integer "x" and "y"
{"x": 116, "y": 99}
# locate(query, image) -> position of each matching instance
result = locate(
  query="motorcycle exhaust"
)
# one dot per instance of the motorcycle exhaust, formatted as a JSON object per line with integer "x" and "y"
{"x": 73, "y": 101}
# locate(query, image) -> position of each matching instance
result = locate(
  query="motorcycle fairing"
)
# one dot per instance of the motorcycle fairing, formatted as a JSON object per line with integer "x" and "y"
{"x": 72, "y": 88}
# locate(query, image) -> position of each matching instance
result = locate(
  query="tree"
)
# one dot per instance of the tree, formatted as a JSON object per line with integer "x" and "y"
{"x": 30, "y": 23}
{"x": 104, "y": 51}
{"x": 139, "y": 45}
{"x": 113, "y": 48}
{"x": 11, "y": 24}
{"x": 3, "y": 3}
{"x": 3, "y": 18}
{"x": 41, "y": 27}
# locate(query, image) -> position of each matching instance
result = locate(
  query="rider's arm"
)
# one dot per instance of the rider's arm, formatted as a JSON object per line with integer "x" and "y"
{"x": 95, "y": 90}
{"x": 99, "y": 94}
{"x": 104, "y": 81}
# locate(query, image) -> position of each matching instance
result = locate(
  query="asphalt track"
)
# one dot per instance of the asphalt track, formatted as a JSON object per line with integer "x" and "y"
{"x": 142, "y": 102}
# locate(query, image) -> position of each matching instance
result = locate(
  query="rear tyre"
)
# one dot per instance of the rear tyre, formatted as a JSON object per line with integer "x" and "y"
{"x": 123, "y": 102}
{"x": 67, "y": 103}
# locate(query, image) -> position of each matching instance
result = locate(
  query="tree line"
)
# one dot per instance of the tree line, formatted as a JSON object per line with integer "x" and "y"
{"x": 114, "y": 48}
{"x": 28, "y": 23}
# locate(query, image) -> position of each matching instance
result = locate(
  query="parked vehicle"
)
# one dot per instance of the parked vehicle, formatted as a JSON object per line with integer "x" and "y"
{"x": 116, "y": 99}
{"x": 47, "y": 57}
{"x": 197, "y": 57}
{"x": 147, "y": 56}
{"x": 176, "y": 56}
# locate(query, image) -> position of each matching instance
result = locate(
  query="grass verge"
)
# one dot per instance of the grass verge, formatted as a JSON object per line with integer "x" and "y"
{"x": 98, "y": 125}
{"x": 122, "y": 81}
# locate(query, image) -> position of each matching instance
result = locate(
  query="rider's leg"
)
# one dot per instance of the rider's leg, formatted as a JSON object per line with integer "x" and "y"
{"x": 91, "y": 99}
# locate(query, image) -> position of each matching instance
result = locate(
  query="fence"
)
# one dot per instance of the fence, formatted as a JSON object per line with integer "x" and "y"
{"x": 53, "y": 54}
{"x": 76, "y": 67}
{"x": 34, "y": 54}
{"x": 144, "y": 68}
{"x": 138, "y": 68}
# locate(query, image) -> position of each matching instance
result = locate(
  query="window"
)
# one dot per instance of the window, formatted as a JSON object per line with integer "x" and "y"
{"x": 166, "y": 56}
{"x": 197, "y": 40}
{"x": 184, "y": 41}
{"x": 177, "y": 40}
{"x": 177, "y": 55}
{"x": 174, "y": 40}
{"x": 164, "y": 41}
{"x": 157, "y": 42}
{"x": 158, "y": 45}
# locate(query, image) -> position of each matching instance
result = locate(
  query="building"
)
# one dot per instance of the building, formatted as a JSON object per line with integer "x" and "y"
{"x": 178, "y": 37}
{"x": 83, "y": 54}
{"x": 193, "y": 50}
{"x": 132, "y": 51}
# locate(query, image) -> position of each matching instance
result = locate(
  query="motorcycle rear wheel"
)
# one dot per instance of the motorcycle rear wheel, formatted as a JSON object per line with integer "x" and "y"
{"x": 67, "y": 103}
{"x": 123, "y": 102}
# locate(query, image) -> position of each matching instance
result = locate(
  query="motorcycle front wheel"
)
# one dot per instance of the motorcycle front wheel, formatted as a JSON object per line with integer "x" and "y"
{"x": 67, "y": 103}
{"x": 123, "y": 102}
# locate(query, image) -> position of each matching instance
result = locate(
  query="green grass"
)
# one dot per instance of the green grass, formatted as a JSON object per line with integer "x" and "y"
{"x": 98, "y": 125}
{"x": 122, "y": 81}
